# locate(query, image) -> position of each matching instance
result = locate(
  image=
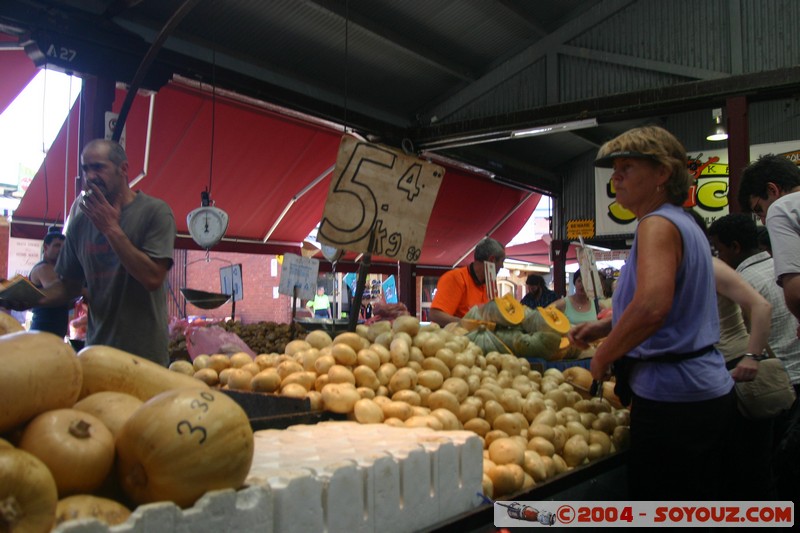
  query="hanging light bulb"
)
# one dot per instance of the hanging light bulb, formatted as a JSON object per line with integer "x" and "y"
{"x": 718, "y": 132}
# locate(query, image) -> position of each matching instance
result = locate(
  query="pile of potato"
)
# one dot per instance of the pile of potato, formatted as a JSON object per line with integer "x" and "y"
{"x": 534, "y": 426}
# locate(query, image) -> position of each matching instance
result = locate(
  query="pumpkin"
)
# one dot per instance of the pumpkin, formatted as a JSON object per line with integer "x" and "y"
{"x": 87, "y": 506}
{"x": 542, "y": 344}
{"x": 28, "y": 494}
{"x": 111, "y": 407}
{"x": 39, "y": 372}
{"x": 109, "y": 369}
{"x": 546, "y": 319}
{"x": 487, "y": 341}
{"x": 76, "y": 447}
{"x": 183, "y": 443}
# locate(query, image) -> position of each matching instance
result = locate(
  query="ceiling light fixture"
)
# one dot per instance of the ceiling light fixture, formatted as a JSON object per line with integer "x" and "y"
{"x": 718, "y": 132}
{"x": 555, "y": 128}
{"x": 480, "y": 138}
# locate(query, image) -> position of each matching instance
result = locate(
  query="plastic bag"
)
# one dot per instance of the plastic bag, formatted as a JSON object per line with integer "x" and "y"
{"x": 214, "y": 339}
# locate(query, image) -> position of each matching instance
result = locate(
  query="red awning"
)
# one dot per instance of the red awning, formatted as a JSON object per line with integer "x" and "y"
{"x": 262, "y": 163}
{"x": 538, "y": 252}
{"x": 16, "y": 71}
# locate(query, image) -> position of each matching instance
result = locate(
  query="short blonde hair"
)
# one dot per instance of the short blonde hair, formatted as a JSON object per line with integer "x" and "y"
{"x": 662, "y": 148}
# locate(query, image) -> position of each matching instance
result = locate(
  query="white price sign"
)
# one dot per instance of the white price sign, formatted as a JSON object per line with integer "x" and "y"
{"x": 381, "y": 193}
{"x": 300, "y": 272}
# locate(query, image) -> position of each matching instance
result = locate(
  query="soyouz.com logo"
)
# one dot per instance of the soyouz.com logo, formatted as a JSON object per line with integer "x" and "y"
{"x": 643, "y": 514}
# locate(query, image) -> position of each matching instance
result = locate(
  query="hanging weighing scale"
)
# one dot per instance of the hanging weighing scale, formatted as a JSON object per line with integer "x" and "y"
{"x": 207, "y": 225}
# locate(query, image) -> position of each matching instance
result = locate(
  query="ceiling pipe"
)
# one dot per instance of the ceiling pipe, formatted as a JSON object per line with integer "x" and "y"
{"x": 148, "y": 59}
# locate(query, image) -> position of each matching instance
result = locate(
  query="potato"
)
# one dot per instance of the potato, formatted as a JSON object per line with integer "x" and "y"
{"x": 368, "y": 412}
{"x": 431, "y": 379}
{"x": 467, "y": 411}
{"x": 289, "y": 367}
{"x": 182, "y": 367}
{"x": 385, "y": 373}
{"x": 377, "y": 328}
{"x": 321, "y": 381}
{"x": 344, "y": 354}
{"x": 400, "y": 410}
{"x": 297, "y": 345}
{"x": 294, "y": 390}
{"x": 423, "y": 422}
{"x": 407, "y": 324}
{"x": 399, "y": 351}
{"x": 266, "y": 381}
{"x": 493, "y": 435}
{"x": 433, "y": 344}
{"x": 339, "y": 397}
{"x": 239, "y": 379}
{"x": 408, "y": 396}
{"x": 304, "y": 379}
{"x": 394, "y": 422}
{"x": 508, "y": 423}
{"x": 209, "y": 376}
{"x": 506, "y": 479}
{"x": 315, "y": 397}
{"x": 369, "y": 358}
{"x": 319, "y": 338}
{"x": 458, "y": 387}
{"x": 534, "y": 466}
{"x": 341, "y": 374}
{"x": 542, "y": 446}
{"x": 601, "y": 438}
{"x": 505, "y": 450}
{"x": 443, "y": 399}
{"x": 418, "y": 410}
{"x": 403, "y": 379}
{"x": 383, "y": 352}
{"x": 365, "y": 392}
{"x": 353, "y": 340}
{"x": 478, "y": 426}
{"x": 433, "y": 363}
{"x": 447, "y": 418}
{"x": 576, "y": 450}
{"x": 365, "y": 377}
{"x": 492, "y": 410}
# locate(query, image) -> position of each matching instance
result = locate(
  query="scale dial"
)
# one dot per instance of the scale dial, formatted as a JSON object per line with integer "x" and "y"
{"x": 207, "y": 225}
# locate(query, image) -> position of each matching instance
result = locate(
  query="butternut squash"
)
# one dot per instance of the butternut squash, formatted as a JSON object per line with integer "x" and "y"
{"x": 28, "y": 493}
{"x": 82, "y": 506}
{"x": 39, "y": 372}
{"x": 112, "y": 408}
{"x": 183, "y": 443}
{"x": 9, "y": 324}
{"x": 109, "y": 369}
{"x": 76, "y": 447}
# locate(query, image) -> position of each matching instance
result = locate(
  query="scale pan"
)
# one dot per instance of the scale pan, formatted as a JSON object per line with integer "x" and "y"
{"x": 203, "y": 299}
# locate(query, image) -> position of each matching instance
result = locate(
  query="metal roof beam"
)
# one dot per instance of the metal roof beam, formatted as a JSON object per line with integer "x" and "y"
{"x": 528, "y": 57}
{"x": 395, "y": 39}
{"x": 644, "y": 64}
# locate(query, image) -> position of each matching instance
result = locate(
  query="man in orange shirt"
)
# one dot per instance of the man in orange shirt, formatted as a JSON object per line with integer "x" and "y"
{"x": 464, "y": 287}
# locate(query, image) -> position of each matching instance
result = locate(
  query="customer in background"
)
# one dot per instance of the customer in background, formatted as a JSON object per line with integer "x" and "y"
{"x": 119, "y": 243}
{"x": 460, "y": 289}
{"x": 663, "y": 330}
{"x": 578, "y": 307}
{"x": 735, "y": 237}
{"x": 770, "y": 188}
{"x": 538, "y": 294}
{"x": 321, "y": 304}
{"x": 53, "y": 319}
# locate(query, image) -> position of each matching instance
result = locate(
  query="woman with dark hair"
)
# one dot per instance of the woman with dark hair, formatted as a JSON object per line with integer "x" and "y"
{"x": 578, "y": 307}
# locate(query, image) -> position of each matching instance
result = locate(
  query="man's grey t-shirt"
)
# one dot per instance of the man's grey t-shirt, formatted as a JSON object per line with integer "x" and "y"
{"x": 122, "y": 312}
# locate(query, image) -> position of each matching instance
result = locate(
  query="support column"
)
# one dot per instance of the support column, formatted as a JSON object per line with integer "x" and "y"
{"x": 558, "y": 251}
{"x": 407, "y": 287}
{"x": 97, "y": 97}
{"x": 738, "y": 147}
